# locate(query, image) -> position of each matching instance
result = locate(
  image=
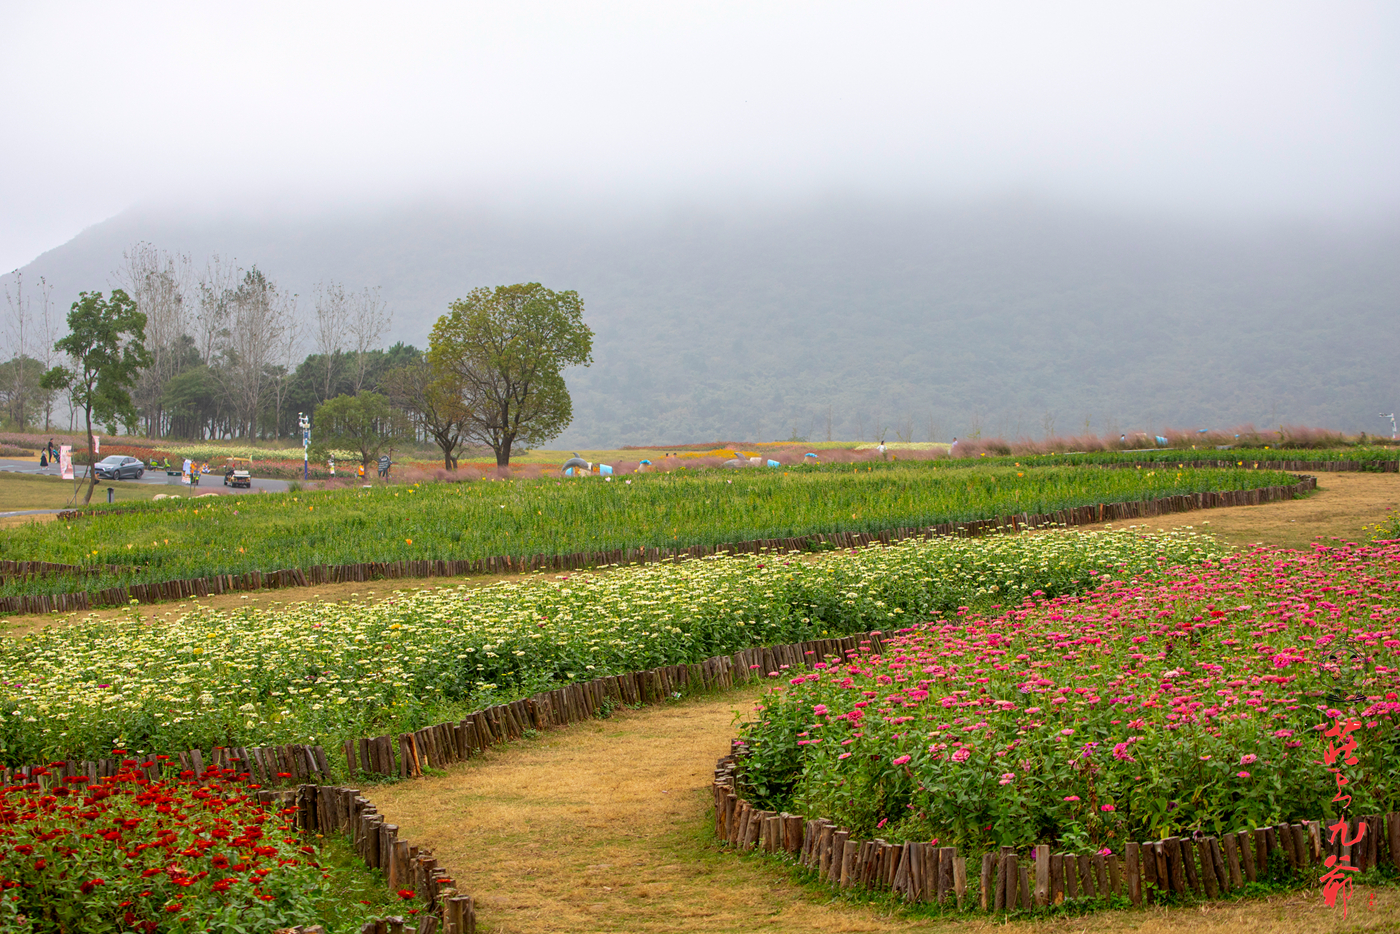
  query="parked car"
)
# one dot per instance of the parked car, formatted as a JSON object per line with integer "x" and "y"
{"x": 237, "y": 473}
{"x": 119, "y": 467}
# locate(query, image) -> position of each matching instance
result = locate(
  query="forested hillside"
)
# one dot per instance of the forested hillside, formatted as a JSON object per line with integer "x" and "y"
{"x": 852, "y": 318}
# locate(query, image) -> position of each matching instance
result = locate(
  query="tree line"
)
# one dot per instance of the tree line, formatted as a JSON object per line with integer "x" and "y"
{"x": 218, "y": 354}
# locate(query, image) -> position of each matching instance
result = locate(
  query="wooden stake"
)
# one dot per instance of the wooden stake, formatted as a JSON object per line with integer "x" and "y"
{"x": 1133, "y": 868}
{"x": 1232, "y": 859}
{"x": 1042, "y": 875}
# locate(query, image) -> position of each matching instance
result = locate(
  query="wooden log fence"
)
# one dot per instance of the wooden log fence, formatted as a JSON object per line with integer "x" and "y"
{"x": 1023, "y": 878}
{"x": 334, "y": 809}
{"x": 268, "y": 766}
{"x": 407, "y": 755}
{"x": 515, "y": 564}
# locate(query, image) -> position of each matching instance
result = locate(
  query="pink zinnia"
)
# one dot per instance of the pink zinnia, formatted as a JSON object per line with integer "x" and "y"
{"x": 1107, "y": 808}
{"x": 1072, "y": 797}
{"x": 1007, "y": 778}
{"x": 962, "y": 755}
{"x": 1242, "y": 774}
{"x": 901, "y": 760}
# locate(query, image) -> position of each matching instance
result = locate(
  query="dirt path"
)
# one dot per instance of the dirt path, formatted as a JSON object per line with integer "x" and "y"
{"x": 606, "y": 826}
{"x": 1342, "y": 505}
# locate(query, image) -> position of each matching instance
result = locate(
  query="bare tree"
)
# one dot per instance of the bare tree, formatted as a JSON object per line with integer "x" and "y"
{"x": 256, "y": 323}
{"x": 368, "y": 320}
{"x": 332, "y": 322}
{"x": 1048, "y": 421}
{"x": 905, "y": 430}
{"x": 160, "y": 283}
{"x": 291, "y": 347}
{"x": 217, "y": 284}
{"x": 17, "y": 336}
{"x": 931, "y": 427}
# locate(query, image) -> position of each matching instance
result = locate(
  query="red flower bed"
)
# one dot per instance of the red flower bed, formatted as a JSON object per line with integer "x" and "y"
{"x": 125, "y": 853}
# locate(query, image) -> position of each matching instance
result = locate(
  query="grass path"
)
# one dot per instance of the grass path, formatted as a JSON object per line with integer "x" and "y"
{"x": 605, "y": 826}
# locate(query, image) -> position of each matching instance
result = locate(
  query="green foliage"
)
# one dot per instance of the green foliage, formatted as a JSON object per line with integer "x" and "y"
{"x": 105, "y": 341}
{"x": 22, "y": 396}
{"x": 549, "y": 516}
{"x": 319, "y": 672}
{"x": 365, "y": 423}
{"x": 503, "y": 351}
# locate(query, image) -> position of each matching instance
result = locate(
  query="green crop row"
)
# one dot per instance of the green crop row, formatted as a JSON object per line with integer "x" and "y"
{"x": 234, "y": 535}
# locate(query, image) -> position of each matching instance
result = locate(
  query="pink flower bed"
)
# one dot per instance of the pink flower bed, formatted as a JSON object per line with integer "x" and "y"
{"x": 1193, "y": 699}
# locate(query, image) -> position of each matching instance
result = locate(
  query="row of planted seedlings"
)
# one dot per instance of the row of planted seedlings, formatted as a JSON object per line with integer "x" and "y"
{"x": 203, "y": 587}
{"x": 445, "y": 743}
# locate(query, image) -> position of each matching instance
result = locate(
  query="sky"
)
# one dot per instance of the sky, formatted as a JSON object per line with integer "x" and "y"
{"x": 1255, "y": 110}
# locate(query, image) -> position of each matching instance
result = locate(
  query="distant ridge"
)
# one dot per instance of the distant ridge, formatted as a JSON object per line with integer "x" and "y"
{"x": 1005, "y": 319}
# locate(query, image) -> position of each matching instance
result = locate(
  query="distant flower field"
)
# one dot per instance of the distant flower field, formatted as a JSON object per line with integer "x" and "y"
{"x": 325, "y": 672}
{"x": 1190, "y": 700}
{"x": 228, "y": 535}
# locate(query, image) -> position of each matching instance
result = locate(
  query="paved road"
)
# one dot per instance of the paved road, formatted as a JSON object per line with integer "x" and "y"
{"x": 210, "y": 483}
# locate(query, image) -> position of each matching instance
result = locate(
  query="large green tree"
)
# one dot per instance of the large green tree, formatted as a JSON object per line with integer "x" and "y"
{"x": 433, "y": 403}
{"x": 503, "y": 352}
{"x": 106, "y": 342}
{"x": 364, "y": 422}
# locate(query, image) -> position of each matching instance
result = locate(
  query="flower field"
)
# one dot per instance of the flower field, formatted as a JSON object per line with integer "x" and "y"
{"x": 227, "y": 535}
{"x": 183, "y": 854}
{"x": 322, "y": 673}
{"x": 1155, "y": 705}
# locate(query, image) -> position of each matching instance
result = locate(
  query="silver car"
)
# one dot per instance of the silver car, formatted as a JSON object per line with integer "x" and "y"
{"x": 119, "y": 467}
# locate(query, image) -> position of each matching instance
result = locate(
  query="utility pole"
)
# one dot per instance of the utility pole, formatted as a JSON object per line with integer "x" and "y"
{"x": 305, "y": 422}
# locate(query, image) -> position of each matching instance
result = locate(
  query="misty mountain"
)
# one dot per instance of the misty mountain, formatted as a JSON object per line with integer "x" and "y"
{"x": 854, "y": 317}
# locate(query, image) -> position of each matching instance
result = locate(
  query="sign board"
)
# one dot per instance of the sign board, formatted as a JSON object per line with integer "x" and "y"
{"x": 96, "y": 445}
{"x": 65, "y": 461}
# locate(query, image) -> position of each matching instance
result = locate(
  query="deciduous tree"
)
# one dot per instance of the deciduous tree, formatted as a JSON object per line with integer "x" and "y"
{"x": 504, "y": 351}
{"x": 364, "y": 422}
{"x": 106, "y": 343}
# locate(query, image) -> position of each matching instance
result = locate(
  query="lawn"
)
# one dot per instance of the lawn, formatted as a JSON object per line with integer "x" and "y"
{"x": 29, "y": 491}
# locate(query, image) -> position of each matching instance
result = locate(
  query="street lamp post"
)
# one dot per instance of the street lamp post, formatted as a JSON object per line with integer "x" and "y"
{"x": 305, "y": 422}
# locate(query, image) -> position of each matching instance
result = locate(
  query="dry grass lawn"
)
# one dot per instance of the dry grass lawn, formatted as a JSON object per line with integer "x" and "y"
{"x": 605, "y": 826}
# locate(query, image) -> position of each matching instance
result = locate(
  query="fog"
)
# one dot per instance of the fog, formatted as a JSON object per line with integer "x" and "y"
{"x": 1206, "y": 111}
